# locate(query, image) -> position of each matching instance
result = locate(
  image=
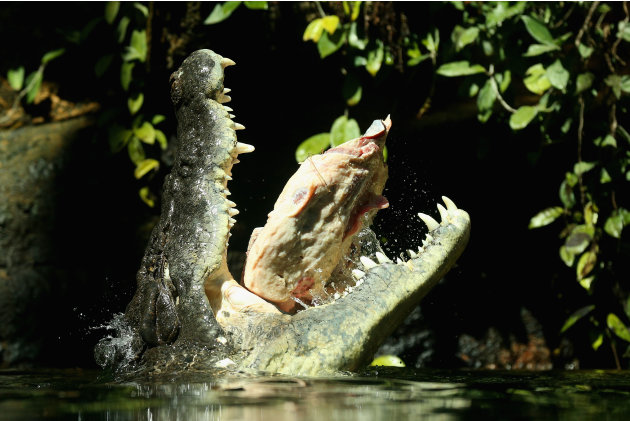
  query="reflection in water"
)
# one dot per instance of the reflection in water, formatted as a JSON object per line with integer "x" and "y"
{"x": 387, "y": 394}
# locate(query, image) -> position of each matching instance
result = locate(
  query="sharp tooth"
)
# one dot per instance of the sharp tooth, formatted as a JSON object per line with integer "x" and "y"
{"x": 238, "y": 126}
{"x": 225, "y": 62}
{"x": 222, "y": 99}
{"x": 429, "y": 238}
{"x": 243, "y": 148}
{"x": 424, "y": 243}
{"x": 449, "y": 203}
{"x": 232, "y": 116}
{"x": 399, "y": 261}
{"x": 228, "y": 177}
{"x": 228, "y": 109}
{"x": 358, "y": 274}
{"x": 431, "y": 223}
{"x": 420, "y": 249}
{"x": 236, "y": 161}
{"x": 233, "y": 211}
{"x": 443, "y": 215}
{"x": 382, "y": 258}
{"x": 232, "y": 221}
{"x": 231, "y": 204}
{"x": 227, "y": 192}
{"x": 367, "y": 262}
{"x": 412, "y": 254}
{"x": 226, "y": 90}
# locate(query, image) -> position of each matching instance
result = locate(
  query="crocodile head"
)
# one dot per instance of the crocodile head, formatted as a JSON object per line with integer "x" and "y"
{"x": 186, "y": 293}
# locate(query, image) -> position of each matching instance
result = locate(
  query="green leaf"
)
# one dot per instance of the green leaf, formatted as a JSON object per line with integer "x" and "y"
{"x": 103, "y": 64}
{"x": 147, "y": 197}
{"x": 586, "y": 283}
{"x": 609, "y": 141}
{"x": 313, "y": 30}
{"x": 586, "y": 264}
{"x": 314, "y": 145}
{"x": 567, "y": 257}
{"x": 616, "y": 325}
{"x": 585, "y": 50}
{"x": 558, "y": 76}
{"x": 566, "y": 194}
{"x": 343, "y": 129}
{"x": 51, "y": 55}
{"x": 545, "y": 217}
{"x": 135, "y": 150}
{"x": 584, "y": 81}
{"x": 582, "y": 167}
{"x": 328, "y": 44}
{"x": 538, "y": 49}
{"x": 134, "y": 104}
{"x": 356, "y": 8}
{"x": 625, "y": 84}
{"x": 614, "y": 81}
{"x": 121, "y": 29}
{"x": 462, "y": 37}
{"x": 522, "y": 117}
{"x": 604, "y": 177}
{"x": 157, "y": 119}
{"x": 353, "y": 37}
{"x": 161, "y": 139}
{"x": 145, "y": 133}
{"x": 257, "y": 5}
{"x": 624, "y": 31}
{"x": 144, "y": 166}
{"x": 118, "y": 137}
{"x": 459, "y": 68}
{"x": 579, "y": 239}
{"x": 375, "y": 58}
{"x": 125, "y": 74}
{"x": 577, "y": 315}
{"x": 598, "y": 342}
{"x": 614, "y": 224}
{"x": 111, "y": 11}
{"x": 137, "y": 48}
{"x": 142, "y": 8}
{"x": 538, "y": 30}
{"x": 16, "y": 78}
{"x": 34, "y": 80}
{"x": 351, "y": 90}
{"x": 221, "y": 12}
{"x": 503, "y": 11}
{"x": 486, "y": 97}
{"x": 571, "y": 179}
{"x": 504, "y": 80}
{"x": 536, "y": 80}
{"x": 432, "y": 41}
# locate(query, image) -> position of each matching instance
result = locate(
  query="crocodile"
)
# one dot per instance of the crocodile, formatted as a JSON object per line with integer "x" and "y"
{"x": 190, "y": 312}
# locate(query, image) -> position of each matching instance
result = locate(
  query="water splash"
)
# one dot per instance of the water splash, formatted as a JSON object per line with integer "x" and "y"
{"x": 120, "y": 348}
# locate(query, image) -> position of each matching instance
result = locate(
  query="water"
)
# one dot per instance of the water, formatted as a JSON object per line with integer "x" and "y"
{"x": 384, "y": 394}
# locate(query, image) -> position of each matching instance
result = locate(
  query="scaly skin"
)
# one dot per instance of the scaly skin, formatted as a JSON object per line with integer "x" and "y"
{"x": 185, "y": 288}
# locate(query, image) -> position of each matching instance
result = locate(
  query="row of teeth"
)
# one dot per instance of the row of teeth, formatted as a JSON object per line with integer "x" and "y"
{"x": 431, "y": 224}
{"x": 240, "y": 148}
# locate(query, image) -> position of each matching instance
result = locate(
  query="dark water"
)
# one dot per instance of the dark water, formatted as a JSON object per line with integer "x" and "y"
{"x": 384, "y": 394}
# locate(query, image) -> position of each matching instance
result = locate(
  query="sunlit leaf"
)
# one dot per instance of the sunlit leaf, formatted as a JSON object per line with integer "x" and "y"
{"x": 459, "y": 68}
{"x": 111, "y": 11}
{"x": 522, "y": 117}
{"x": 161, "y": 139}
{"x": 537, "y": 49}
{"x": 586, "y": 264}
{"x": 142, "y": 8}
{"x": 34, "y": 80}
{"x": 614, "y": 81}
{"x": 125, "y": 74}
{"x": 567, "y": 197}
{"x": 221, "y": 12}
{"x": 462, "y": 37}
{"x": 585, "y": 51}
{"x": 330, "y": 23}
{"x": 586, "y": 282}
{"x": 257, "y": 5}
{"x": 356, "y": 8}
{"x": 121, "y": 29}
{"x": 625, "y": 84}
{"x": 353, "y": 37}
{"x": 567, "y": 257}
{"x": 51, "y": 55}
{"x": 432, "y": 41}
{"x": 375, "y": 58}
{"x": 558, "y": 76}
{"x": 579, "y": 239}
{"x": 314, "y": 145}
{"x": 137, "y": 48}
{"x": 16, "y": 78}
{"x": 505, "y": 80}
{"x": 486, "y": 97}
{"x": 135, "y": 150}
{"x": 538, "y": 30}
{"x": 313, "y": 30}
{"x": 387, "y": 361}
{"x": 598, "y": 342}
{"x": 614, "y": 224}
{"x": 582, "y": 167}
{"x": 618, "y": 327}
{"x": 624, "y": 31}
{"x": 571, "y": 179}
{"x": 604, "y": 177}
{"x": 536, "y": 80}
{"x": 145, "y": 133}
{"x": 343, "y": 129}
{"x": 134, "y": 104}
{"x": 147, "y": 196}
{"x": 144, "y": 166}
{"x": 576, "y": 316}
{"x": 545, "y": 217}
